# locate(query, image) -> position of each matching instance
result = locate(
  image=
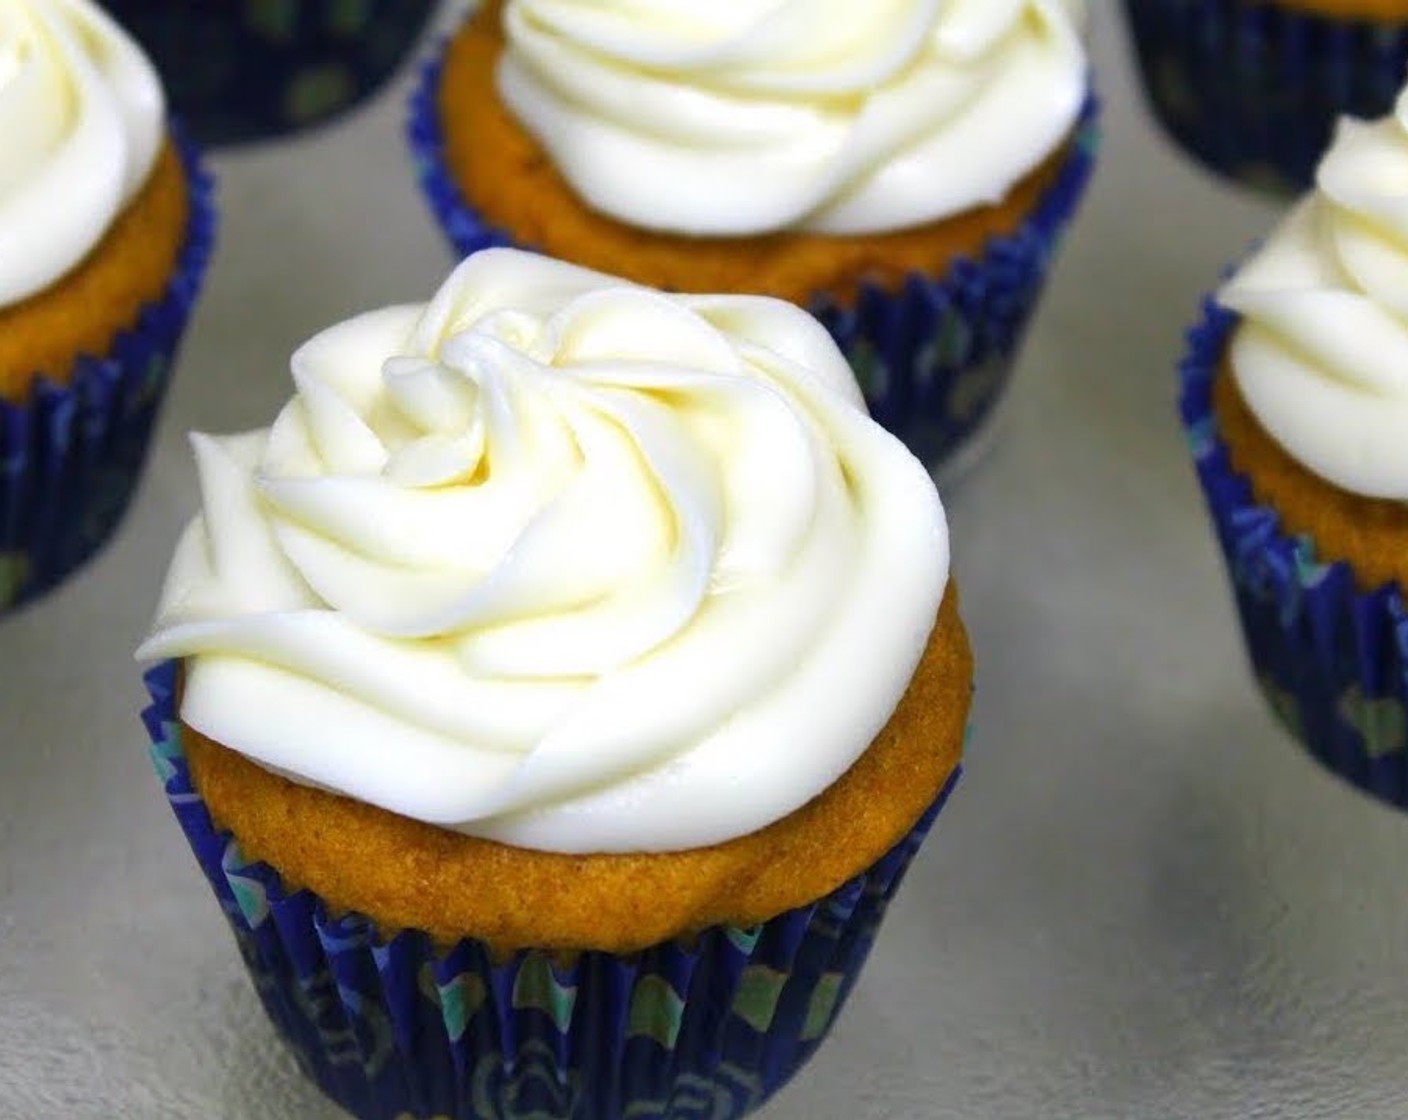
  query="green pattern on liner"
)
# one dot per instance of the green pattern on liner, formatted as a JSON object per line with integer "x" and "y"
{"x": 498, "y": 1088}
{"x": 947, "y": 349}
{"x": 250, "y": 897}
{"x": 1309, "y": 573}
{"x": 316, "y": 92}
{"x": 745, "y": 940}
{"x": 153, "y": 381}
{"x": 822, "y": 1006}
{"x": 459, "y": 1000}
{"x": 657, "y": 1012}
{"x": 1379, "y": 720}
{"x": 425, "y": 984}
{"x": 249, "y": 893}
{"x": 536, "y": 987}
{"x": 276, "y": 20}
{"x": 872, "y": 375}
{"x": 976, "y": 386}
{"x": 321, "y": 1003}
{"x": 731, "y": 1091}
{"x": 166, "y": 754}
{"x": 348, "y": 17}
{"x": 759, "y": 989}
{"x": 14, "y": 568}
{"x": 1283, "y": 705}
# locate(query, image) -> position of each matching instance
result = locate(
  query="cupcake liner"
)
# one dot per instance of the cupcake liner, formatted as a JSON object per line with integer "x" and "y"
{"x": 246, "y": 71}
{"x": 932, "y": 356}
{"x": 402, "y": 1029}
{"x": 1331, "y": 659}
{"x": 1252, "y": 91}
{"x": 71, "y": 455}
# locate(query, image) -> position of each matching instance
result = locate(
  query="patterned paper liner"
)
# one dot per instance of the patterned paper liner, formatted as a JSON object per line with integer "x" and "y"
{"x": 247, "y": 71}
{"x": 934, "y": 356}
{"x": 402, "y": 1029}
{"x": 1332, "y": 660}
{"x": 71, "y": 455}
{"x": 1252, "y": 90}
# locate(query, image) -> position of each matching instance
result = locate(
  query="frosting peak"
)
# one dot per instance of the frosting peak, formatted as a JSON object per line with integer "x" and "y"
{"x": 560, "y": 561}
{"x": 1321, "y": 356}
{"x": 751, "y": 116}
{"x": 81, "y": 115}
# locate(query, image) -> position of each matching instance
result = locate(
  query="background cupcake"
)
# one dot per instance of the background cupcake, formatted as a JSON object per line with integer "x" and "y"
{"x": 105, "y": 226}
{"x": 1252, "y": 88}
{"x": 1296, "y": 398}
{"x": 909, "y": 189}
{"x": 265, "y": 68}
{"x": 503, "y": 833}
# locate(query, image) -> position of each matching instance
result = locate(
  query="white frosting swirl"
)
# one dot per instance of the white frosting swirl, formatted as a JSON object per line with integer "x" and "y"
{"x": 1321, "y": 354}
{"x": 835, "y": 116}
{"x": 81, "y": 118}
{"x": 560, "y": 561}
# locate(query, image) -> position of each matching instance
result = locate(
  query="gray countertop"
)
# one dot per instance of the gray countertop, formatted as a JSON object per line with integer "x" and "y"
{"x": 1143, "y": 901}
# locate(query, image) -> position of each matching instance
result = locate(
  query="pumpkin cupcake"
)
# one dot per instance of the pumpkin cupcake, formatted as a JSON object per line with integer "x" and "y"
{"x": 1295, "y": 394}
{"x": 557, "y": 693}
{"x": 1251, "y": 89}
{"x": 105, "y": 227}
{"x": 904, "y": 173}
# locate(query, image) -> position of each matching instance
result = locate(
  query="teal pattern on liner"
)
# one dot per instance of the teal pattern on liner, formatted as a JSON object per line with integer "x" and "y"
{"x": 401, "y": 1029}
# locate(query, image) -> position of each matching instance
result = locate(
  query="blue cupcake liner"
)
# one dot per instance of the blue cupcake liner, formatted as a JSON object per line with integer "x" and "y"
{"x": 1332, "y": 660}
{"x": 71, "y": 455}
{"x": 1252, "y": 91}
{"x": 934, "y": 356}
{"x": 237, "y": 72}
{"x": 402, "y": 1029}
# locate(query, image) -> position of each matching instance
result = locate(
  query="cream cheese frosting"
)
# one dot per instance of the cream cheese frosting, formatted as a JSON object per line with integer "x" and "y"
{"x": 831, "y": 116}
{"x": 560, "y": 561}
{"x": 81, "y": 120}
{"x": 1321, "y": 353}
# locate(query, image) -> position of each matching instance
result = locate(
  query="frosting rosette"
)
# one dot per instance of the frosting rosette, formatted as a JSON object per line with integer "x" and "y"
{"x": 559, "y": 561}
{"x": 81, "y": 120}
{"x": 713, "y": 119}
{"x": 1321, "y": 353}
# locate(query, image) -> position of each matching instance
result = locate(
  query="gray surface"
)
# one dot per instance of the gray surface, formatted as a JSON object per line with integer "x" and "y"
{"x": 1142, "y": 902}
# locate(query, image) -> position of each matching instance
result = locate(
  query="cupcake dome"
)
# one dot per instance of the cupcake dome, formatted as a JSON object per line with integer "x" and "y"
{"x": 514, "y": 770}
{"x": 635, "y": 151}
{"x": 105, "y": 227}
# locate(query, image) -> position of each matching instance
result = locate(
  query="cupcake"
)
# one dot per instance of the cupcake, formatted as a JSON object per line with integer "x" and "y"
{"x": 555, "y": 694}
{"x": 1251, "y": 89}
{"x": 250, "y": 71}
{"x": 106, "y": 220}
{"x": 904, "y": 174}
{"x": 1295, "y": 398}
